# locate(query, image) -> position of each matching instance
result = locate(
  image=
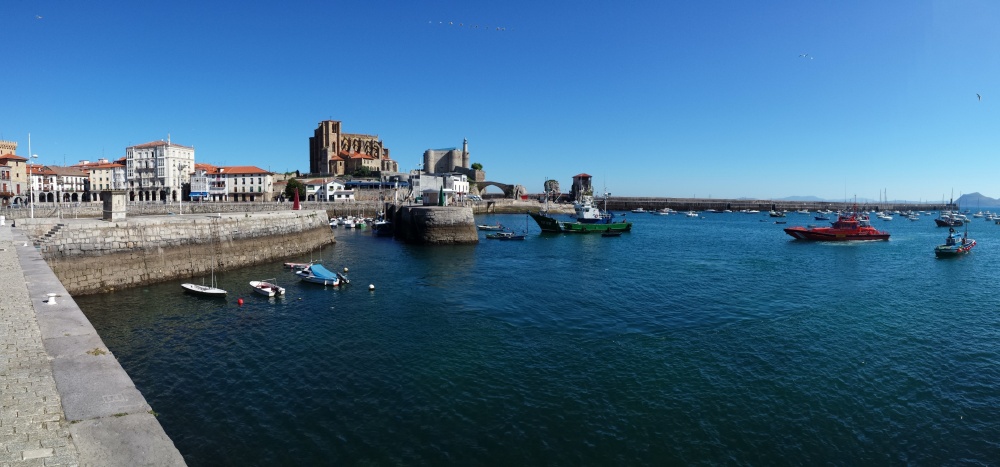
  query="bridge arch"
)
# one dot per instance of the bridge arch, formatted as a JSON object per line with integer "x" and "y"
{"x": 508, "y": 190}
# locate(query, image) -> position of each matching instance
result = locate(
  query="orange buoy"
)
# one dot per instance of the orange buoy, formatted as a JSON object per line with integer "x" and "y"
{"x": 240, "y": 302}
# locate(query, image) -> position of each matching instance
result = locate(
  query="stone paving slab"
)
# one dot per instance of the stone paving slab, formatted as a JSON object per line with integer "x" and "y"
{"x": 65, "y": 399}
{"x": 33, "y": 429}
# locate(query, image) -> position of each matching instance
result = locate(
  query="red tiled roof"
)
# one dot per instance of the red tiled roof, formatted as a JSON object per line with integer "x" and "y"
{"x": 12, "y": 157}
{"x": 355, "y": 155}
{"x": 208, "y": 168}
{"x": 244, "y": 169}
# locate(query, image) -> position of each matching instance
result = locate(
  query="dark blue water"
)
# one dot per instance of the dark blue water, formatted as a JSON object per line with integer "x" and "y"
{"x": 687, "y": 341}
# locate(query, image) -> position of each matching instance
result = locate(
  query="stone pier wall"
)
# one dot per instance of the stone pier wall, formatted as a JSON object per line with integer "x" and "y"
{"x": 435, "y": 225}
{"x": 91, "y": 256}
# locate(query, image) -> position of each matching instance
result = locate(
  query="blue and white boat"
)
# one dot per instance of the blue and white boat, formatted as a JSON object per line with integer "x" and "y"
{"x": 318, "y": 274}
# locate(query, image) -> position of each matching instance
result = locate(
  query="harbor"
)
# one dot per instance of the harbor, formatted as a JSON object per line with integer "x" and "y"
{"x": 761, "y": 348}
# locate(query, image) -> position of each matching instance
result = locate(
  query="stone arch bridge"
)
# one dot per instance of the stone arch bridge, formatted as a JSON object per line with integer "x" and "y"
{"x": 509, "y": 191}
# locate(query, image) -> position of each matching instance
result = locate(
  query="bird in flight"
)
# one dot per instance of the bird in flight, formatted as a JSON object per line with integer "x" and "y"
{"x": 978, "y": 96}
{"x": 805, "y": 56}
{"x": 38, "y": 16}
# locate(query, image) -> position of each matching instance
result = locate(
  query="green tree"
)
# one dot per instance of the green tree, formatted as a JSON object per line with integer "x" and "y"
{"x": 477, "y": 166}
{"x": 293, "y": 185}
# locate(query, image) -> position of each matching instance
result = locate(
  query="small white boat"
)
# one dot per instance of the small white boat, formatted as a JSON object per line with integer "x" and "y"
{"x": 204, "y": 290}
{"x": 691, "y": 214}
{"x": 267, "y": 288}
{"x": 298, "y": 266}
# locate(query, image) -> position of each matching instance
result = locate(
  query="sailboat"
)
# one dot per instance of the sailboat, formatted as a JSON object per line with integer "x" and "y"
{"x": 206, "y": 290}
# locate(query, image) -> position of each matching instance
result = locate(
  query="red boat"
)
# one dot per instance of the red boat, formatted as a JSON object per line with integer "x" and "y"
{"x": 846, "y": 228}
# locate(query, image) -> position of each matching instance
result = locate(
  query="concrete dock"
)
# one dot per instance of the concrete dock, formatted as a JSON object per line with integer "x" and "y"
{"x": 64, "y": 398}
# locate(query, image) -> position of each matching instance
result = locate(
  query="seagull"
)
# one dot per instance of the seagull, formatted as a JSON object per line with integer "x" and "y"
{"x": 978, "y": 96}
{"x": 805, "y": 56}
{"x": 38, "y": 16}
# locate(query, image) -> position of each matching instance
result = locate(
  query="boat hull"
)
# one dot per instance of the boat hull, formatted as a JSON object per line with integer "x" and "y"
{"x": 951, "y": 251}
{"x": 831, "y": 235}
{"x": 204, "y": 290}
{"x": 267, "y": 289}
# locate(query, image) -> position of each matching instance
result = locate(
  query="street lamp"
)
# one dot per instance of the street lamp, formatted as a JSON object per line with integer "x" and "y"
{"x": 31, "y": 184}
{"x": 180, "y": 197}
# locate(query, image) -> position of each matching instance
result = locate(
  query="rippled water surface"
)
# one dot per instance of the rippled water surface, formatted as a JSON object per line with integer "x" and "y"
{"x": 687, "y": 341}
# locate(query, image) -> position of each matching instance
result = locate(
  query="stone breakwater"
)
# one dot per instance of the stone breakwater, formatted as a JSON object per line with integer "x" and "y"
{"x": 435, "y": 225}
{"x": 91, "y": 256}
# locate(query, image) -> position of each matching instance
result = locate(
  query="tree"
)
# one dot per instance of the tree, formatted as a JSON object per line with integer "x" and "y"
{"x": 293, "y": 185}
{"x": 477, "y": 166}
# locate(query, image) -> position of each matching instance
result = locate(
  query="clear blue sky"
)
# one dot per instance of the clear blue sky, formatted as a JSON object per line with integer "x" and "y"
{"x": 652, "y": 98}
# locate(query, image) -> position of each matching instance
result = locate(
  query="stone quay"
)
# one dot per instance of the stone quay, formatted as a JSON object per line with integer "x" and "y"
{"x": 92, "y": 255}
{"x": 64, "y": 398}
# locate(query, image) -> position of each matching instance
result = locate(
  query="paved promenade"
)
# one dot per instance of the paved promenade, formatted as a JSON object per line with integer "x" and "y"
{"x": 64, "y": 398}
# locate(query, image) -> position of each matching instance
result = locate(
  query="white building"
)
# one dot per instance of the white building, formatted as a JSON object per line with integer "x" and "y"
{"x": 248, "y": 183}
{"x": 327, "y": 190}
{"x": 455, "y": 184}
{"x": 208, "y": 183}
{"x": 232, "y": 183}
{"x": 156, "y": 171}
{"x": 104, "y": 175}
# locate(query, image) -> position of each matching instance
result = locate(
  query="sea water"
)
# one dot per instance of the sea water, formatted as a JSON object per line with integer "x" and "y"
{"x": 707, "y": 340}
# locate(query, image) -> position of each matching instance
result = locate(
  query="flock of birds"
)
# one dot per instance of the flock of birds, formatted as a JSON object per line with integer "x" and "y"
{"x": 470, "y": 26}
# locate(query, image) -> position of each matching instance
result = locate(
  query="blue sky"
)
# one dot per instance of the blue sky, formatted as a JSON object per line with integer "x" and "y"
{"x": 652, "y": 98}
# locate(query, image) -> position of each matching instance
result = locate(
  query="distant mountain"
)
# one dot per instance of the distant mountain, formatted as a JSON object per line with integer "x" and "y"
{"x": 971, "y": 200}
{"x": 816, "y": 199}
{"x": 801, "y": 198}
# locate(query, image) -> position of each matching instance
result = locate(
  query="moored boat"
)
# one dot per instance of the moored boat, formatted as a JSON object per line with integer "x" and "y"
{"x": 267, "y": 288}
{"x": 589, "y": 218}
{"x": 297, "y": 266}
{"x": 497, "y": 226}
{"x": 847, "y": 227}
{"x": 204, "y": 290}
{"x": 505, "y": 236}
{"x": 953, "y": 246}
{"x": 317, "y": 274}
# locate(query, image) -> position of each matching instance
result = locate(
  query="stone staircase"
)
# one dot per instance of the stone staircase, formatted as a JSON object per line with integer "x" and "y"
{"x": 47, "y": 238}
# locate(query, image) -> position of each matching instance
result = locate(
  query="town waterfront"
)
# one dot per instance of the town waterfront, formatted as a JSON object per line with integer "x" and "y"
{"x": 689, "y": 340}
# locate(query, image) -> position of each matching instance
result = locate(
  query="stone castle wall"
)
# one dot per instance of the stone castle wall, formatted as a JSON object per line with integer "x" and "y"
{"x": 91, "y": 256}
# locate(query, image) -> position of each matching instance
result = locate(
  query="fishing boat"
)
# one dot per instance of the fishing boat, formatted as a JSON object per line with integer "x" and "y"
{"x": 505, "y": 236}
{"x": 588, "y": 219}
{"x": 267, "y": 287}
{"x": 947, "y": 219}
{"x": 318, "y": 274}
{"x": 955, "y": 246}
{"x": 489, "y": 227}
{"x": 847, "y": 227}
{"x": 382, "y": 228}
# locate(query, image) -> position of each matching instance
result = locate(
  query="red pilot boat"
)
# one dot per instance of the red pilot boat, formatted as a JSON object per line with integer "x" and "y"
{"x": 847, "y": 227}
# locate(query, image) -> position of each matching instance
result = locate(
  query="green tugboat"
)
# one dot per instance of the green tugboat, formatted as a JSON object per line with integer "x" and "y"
{"x": 589, "y": 219}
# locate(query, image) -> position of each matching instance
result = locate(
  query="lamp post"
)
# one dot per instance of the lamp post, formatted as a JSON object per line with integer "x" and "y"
{"x": 180, "y": 183}
{"x": 31, "y": 184}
